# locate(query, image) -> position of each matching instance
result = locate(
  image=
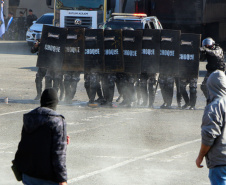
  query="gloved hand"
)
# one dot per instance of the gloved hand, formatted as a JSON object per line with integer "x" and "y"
{"x": 202, "y": 49}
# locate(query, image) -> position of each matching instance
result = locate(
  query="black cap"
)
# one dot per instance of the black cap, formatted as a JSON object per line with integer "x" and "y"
{"x": 49, "y": 98}
{"x": 30, "y": 10}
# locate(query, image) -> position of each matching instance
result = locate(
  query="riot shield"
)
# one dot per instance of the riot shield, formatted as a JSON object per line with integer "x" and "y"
{"x": 150, "y": 51}
{"x": 189, "y": 55}
{"x": 94, "y": 50}
{"x": 51, "y": 53}
{"x": 113, "y": 51}
{"x": 132, "y": 45}
{"x": 169, "y": 52}
{"x": 74, "y": 50}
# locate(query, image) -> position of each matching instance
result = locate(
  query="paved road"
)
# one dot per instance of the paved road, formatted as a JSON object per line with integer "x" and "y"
{"x": 109, "y": 146}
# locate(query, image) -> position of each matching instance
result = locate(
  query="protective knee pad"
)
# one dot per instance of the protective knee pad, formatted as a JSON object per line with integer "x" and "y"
{"x": 56, "y": 84}
{"x": 111, "y": 84}
{"x": 182, "y": 89}
{"x": 48, "y": 82}
{"x": 193, "y": 90}
{"x": 38, "y": 79}
{"x": 66, "y": 83}
{"x": 86, "y": 85}
{"x": 204, "y": 90}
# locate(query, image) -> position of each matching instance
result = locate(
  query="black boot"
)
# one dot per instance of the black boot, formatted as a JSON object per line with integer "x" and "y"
{"x": 164, "y": 96}
{"x": 179, "y": 99}
{"x": 73, "y": 89}
{"x": 151, "y": 96}
{"x": 56, "y": 84}
{"x": 38, "y": 89}
{"x": 67, "y": 92}
{"x": 61, "y": 90}
{"x": 144, "y": 95}
{"x": 186, "y": 98}
{"x": 48, "y": 83}
{"x": 193, "y": 97}
{"x": 169, "y": 96}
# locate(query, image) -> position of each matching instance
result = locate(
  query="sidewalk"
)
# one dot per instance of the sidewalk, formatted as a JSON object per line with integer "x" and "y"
{"x": 14, "y": 47}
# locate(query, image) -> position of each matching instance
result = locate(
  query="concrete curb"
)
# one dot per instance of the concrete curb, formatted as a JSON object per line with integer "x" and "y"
{"x": 15, "y": 47}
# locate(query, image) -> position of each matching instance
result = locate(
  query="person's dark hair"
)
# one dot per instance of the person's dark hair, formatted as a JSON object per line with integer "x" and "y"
{"x": 49, "y": 98}
{"x": 30, "y": 10}
{"x": 21, "y": 12}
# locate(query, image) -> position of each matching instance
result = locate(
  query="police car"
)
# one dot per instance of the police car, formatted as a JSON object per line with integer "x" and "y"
{"x": 135, "y": 21}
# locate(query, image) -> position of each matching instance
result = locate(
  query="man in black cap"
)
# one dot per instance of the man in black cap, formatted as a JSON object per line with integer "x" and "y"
{"x": 41, "y": 154}
{"x": 30, "y": 18}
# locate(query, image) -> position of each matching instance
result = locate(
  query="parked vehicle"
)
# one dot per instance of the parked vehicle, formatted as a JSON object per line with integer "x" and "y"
{"x": 36, "y": 27}
{"x": 206, "y": 17}
{"x": 135, "y": 21}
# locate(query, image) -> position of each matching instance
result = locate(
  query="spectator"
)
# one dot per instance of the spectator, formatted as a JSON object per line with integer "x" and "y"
{"x": 41, "y": 154}
{"x": 21, "y": 26}
{"x": 213, "y": 146}
{"x": 30, "y": 18}
{"x": 10, "y": 27}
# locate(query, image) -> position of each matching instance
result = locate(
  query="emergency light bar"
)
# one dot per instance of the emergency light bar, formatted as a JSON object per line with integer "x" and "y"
{"x": 130, "y": 14}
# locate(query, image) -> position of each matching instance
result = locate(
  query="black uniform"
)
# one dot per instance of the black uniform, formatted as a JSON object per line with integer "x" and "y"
{"x": 21, "y": 28}
{"x": 93, "y": 87}
{"x": 71, "y": 79}
{"x": 189, "y": 100}
{"x": 39, "y": 75}
{"x": 54, "y": 79}
{"x": 30, "y": 19}
{"x": 166, "y": 83}
{"x": 215, "y": 60}
{"x": 108, "y": 86}
{"x": 146, "y": 88}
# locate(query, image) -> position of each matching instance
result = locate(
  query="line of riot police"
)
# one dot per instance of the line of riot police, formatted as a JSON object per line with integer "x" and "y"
{"x": 131, "y": 59}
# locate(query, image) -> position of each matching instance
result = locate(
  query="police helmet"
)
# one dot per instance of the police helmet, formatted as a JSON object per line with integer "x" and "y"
{"x": 208, "y": 41}
{"x": 38, "y": 36}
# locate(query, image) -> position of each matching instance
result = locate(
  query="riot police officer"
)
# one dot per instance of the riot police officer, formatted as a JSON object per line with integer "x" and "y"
{"x": 147, "y": 87}
{"x": 166, "y": 83}
{"x": 189, "y": 101}
{"x": 41, "y": 71}
{"x": 215, "y": 59}
{"x": 21, "y": 26}
{"x": 93, "y": 87}
{"x": 54, "y": 79}
{"x": 108, "y": 86}
{"x": 71, "y": 79}
{"x": 128, "y": 83}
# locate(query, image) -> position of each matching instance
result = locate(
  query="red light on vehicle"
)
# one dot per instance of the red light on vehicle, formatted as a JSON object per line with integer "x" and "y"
{"x": 140, "y": 15}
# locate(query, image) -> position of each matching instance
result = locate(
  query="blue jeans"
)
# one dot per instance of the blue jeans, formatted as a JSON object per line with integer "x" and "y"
{"x": 217, "y": 175}
{"x": 28, "y": 180}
